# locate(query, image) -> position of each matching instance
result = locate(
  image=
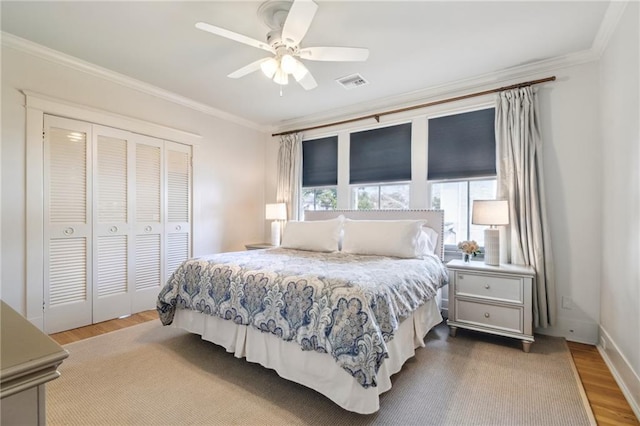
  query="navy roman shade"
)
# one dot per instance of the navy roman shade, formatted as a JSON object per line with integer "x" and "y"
{"x": 380, "y": 155}
{"x": 462, "y": 146}
{"x": 320, "y": 162}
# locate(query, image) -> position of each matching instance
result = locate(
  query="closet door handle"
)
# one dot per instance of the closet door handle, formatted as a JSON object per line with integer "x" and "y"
{"x": 69, "y": 231}
{"x": 147, "y": 228}
{"x": 113, "y": 229}
{"x": 178, "y": 227}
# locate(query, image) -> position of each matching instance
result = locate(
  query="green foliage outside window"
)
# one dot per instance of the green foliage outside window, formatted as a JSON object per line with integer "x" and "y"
{"x": 319, "y": 199}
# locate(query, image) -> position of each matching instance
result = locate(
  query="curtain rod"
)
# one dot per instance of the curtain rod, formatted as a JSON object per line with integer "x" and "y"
{"x": 428, "y": 104}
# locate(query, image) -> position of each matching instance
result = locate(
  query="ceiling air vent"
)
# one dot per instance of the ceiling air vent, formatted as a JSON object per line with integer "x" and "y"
{"x": 351, "y": 81}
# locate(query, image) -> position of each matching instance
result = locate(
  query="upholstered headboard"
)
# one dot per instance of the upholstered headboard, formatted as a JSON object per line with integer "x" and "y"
{"x": 434, "y": 218}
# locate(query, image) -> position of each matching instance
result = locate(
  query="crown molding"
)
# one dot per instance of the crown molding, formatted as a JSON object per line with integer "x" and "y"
{"x": 17, "y": 43}
{"x": 608, "y": 26}
{"x": 482, "y": 82}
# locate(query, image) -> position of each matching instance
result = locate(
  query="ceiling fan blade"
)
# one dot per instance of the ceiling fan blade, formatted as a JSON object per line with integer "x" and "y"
{"x": 233, "y": 36}
{"x": 298, "y": 21}
{"x": 308, "y": 82}
{"x": 304, "y": 77}
{"x": 248, "y": 69}
{"x": 339, "y": 54}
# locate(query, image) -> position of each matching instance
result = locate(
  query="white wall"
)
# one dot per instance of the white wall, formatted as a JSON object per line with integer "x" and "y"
{"x": 572, "y": 167}
{"x": 228, "y": 162}
{"x": 620, "y": 142}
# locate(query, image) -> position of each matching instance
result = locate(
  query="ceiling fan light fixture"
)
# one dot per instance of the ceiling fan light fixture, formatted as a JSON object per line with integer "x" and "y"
{"x": 281, "y": 77}
{"x": 288, "y": 64}
{"x": 289, "y": 21}
{"x": 269, "y": 67}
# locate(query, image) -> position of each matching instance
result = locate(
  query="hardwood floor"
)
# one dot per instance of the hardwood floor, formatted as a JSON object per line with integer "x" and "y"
{"x": 605, "y": 397}
{"x": 81, "y": 333}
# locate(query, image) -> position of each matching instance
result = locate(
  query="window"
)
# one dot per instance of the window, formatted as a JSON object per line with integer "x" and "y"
{"x": 462, "y": 146}
{"x": 391, "y": 196}
{"x": 462, "y": 168}
{"x": 319, "y": 174}
{"x": 319, "y": 199}
{"x": 456, "y": 199}
{"x": 380, "y": 168}
{"x": 320, "y": 162}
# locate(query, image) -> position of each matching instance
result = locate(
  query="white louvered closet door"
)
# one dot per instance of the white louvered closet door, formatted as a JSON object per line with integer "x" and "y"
{"x": 112, "y": 218}
{"x": 67, "y": 219}
{"x": 178, "y": 221}
{"x": 149, "y": 216}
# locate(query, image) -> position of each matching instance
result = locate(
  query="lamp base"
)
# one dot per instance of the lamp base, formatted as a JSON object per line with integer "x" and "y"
{"x": 275, "y": 233}
{"x": 492, "y": 246}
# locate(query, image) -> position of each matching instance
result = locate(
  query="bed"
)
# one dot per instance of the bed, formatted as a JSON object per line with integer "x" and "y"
{"x": 337, "y": 308}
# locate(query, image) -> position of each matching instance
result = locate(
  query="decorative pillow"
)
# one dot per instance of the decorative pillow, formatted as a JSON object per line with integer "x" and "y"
{"x": 427, "y": 241}
{"x": 397, "y": 238}
{"x": 314, "y": 235}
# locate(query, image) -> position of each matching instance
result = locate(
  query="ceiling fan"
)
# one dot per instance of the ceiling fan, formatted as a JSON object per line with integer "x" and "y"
{"x": 289, "y": 23}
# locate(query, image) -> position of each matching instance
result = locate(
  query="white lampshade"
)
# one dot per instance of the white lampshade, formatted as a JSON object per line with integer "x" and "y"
{"x": 493, "y": 213}
{"x": 276, "y": 211}
{"x": 490, "y": 212}
{"x": 288, "y": 64}
{"x": 281, "y": 77}
{"x": 269, "y": 67}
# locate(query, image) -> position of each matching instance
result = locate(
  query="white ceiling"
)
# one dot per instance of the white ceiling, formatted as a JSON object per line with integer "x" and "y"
{"x": 414, "y": 45}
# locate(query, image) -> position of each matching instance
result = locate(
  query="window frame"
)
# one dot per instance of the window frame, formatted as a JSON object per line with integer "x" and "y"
{"x": 419, "y": 185}
{"x": 315, "y": 190}
{"x": 379, "y": 185}
{"x": 451, "y": 250}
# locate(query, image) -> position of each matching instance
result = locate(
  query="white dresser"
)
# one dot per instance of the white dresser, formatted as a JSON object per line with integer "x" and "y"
{"x": 491, "y": 299}
{"x": 30, "y": 359}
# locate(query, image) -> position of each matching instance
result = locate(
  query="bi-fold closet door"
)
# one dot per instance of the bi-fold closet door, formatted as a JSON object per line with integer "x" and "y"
{"x": 117, "y": 217}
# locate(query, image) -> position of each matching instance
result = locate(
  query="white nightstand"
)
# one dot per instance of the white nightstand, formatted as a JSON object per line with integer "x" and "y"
{"x": 258, "y": 246}
{"x": 491, "y": 299}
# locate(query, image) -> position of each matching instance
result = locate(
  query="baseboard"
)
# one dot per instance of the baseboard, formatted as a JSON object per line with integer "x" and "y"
{"x": 572, "y": 330}
{"x": 621, "y": 370}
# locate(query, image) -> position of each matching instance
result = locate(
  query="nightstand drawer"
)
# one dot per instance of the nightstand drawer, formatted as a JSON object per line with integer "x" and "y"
{"x": 499, "y": 317}
{"x": 489, "y": 287}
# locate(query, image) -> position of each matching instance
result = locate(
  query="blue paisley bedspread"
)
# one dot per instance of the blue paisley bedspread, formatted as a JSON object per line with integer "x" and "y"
{"x": 346, "y": 305}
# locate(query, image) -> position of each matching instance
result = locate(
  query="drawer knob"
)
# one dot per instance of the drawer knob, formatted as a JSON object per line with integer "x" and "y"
{"x": 486, "y": 315}
{"x": 487, "y": 286}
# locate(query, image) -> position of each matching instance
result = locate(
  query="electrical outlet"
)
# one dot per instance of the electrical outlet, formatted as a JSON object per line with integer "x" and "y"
{"x": 567, "y": 303}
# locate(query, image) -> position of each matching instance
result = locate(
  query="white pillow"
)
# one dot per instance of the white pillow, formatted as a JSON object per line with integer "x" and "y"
{"x": 397, "y": 238}
{"x": 314, "y": 235}
{"x": 427, "y": 241}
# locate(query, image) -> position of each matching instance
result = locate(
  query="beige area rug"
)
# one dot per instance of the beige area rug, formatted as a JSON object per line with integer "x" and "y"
{"x": 149, "y": 374}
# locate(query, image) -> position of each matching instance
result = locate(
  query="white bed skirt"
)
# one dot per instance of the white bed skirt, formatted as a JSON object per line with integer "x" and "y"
{"x": 315, "y": 370}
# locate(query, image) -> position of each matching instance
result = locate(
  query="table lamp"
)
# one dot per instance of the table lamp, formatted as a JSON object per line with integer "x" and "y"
{"x": 492, "y": 213}
{"x": 276, "y": 213}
